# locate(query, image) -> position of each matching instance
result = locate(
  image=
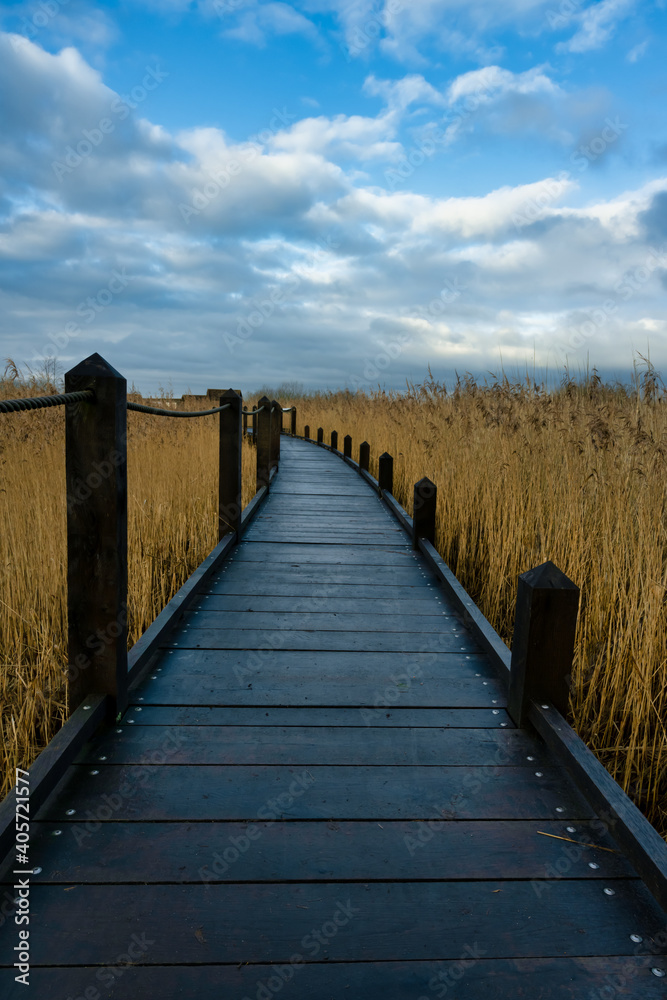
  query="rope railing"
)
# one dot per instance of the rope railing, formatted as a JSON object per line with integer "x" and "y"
{"x": 96, "y": 441}
{"x": 158, "y": 412}
{"x": 42, "y": 402}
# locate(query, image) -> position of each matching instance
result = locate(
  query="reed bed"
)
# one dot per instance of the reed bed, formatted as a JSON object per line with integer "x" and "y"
{"x": 172, "y": 527}
{"x": 576, "y": 475}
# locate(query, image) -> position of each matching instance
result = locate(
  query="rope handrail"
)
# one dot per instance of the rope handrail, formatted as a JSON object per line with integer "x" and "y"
{"x": 288, "y": 409}
{"x": 42, "y": 402}
{"x": 252, "y": 413}
{"x": 158, "y": 412}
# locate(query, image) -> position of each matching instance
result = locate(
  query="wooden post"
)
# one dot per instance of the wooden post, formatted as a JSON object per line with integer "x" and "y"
{"x": 96, "y": 477}
{"x": 334, "y": 440}
{"x": 423, "y": 515}
{"x": 306, "y": 432}
{"x": 229, "y": 466}
{"x": 320, "y": 435}
{"x": 347, "y": 446}
{"x": 245, "y": 424}
{"x": 364, "y": 455}
{"x": 276, "y": 427}
{"x": 293, "y": 421}
{"x": 543, "y": 646}
{"x": 262, "y": 428}
{"x": 386, "y": 472}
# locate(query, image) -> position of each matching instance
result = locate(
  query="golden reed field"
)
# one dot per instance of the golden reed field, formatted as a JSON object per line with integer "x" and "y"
{"x": 577, "y": 475}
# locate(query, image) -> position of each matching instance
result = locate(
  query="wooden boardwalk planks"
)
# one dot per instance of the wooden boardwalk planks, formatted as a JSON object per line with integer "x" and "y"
{"x": 317, "y": 792}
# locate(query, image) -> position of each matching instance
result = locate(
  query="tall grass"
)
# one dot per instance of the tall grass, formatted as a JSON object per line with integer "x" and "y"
{"x": 172, "y": 526}
{"x": 577, "y": 475}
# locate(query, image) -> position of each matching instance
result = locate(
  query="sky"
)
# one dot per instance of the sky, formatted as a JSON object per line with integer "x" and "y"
{"x": 340, "y": 193}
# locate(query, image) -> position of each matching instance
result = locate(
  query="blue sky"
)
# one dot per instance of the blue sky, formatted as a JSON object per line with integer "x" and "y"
{"x": 339, "y": 192}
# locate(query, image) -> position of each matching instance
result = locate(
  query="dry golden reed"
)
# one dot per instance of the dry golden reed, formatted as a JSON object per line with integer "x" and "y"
{"x": 577, "y": 476}
{"x": 172, "y": 516}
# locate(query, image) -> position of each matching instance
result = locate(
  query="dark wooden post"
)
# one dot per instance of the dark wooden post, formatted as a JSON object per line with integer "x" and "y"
{"x": 320, "y": 435}
{"x": 543, "y": 645}
{"x": 306, "y": 431}
{"x": 334, "y": 440}
{"x": 245, "y": 423}
{"x": 96, "y": 477}
{"x": 262, "y": 428}
{"x": 293, "y": 419}
{"x": 276, "y": 427}
{"x": 364, "y": 455}
{"x": 347, "y": 446}
{"x": 423, "y": 515}
{"x": 229, "y": 467}
{"x": 386, "y": 472}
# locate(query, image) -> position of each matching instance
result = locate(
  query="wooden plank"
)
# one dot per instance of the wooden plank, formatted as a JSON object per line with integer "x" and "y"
{"x": 389, "y": 642}
{"x": 345, "y": 555}
{"x": 257, "y": 686}
{"x": 642, "y": 843}
{"x": 311, "y": 576}
{"x": 270, "y": 923}
{"x": 503, "y": 979}
{"x": 52, "y": 763}
{"x": 230, "y": 792}
{"x": 304, "y": 745}
{"x": 396, "y": 850}
{"x": 321, "y": 621}
{"x": 428, "y": 605}
{"x": 252, "y": 715}
{"x": 308, "y": 586}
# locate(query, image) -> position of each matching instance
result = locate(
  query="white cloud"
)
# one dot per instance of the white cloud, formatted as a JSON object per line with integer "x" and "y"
{"x": 597, "y": 24}
{"x": 355, "y": 265}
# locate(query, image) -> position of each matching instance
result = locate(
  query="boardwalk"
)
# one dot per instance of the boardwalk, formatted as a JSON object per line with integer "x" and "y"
{"x": 318, "y": 793}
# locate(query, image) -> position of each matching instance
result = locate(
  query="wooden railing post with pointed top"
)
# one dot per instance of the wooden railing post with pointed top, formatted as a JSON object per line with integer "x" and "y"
{"x": 229, "y": 465}
{"x": 96, "y": 478}
{"x": 276, "y": 427}
{"x": 334, "y": 440}
{"x": 245, "y": 425}
{"x": 293, "y": 421}
{"x": 386, "y": 473}
{"x": 347, "y": 446}
{"x": 543, "y": 644}
{"x": 306, "y": 432}
{"x": 320, "y": 435}
{"x": 423, "y": 515}
{"x": 364, "y": 455}
{"x": 262, "y": 434}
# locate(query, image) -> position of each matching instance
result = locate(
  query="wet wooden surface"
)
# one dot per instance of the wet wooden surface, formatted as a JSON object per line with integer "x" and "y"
{"x": 318, "y": 793}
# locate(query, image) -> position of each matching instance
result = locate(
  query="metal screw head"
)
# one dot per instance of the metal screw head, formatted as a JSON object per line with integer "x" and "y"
{"x": 94, "y": 772}
{"x": 503, "y": 725}
{"x": 637, "y": 938}
{"x": 70, "y": 812}
{"x": 539, "y": 774}
{"x": 591, "y": 864}
{"x": 56, "y": 833}
{"x": 119, "y": 730}
{"x": 530, "y": 758}
{"x": 609, "y": 892}
{"x": 153, "y": 677}
{"x": 86, "y": 708}
{"x": 496, "y": 711}
{"x": 571, "y": 829}
{"x": 660, "y": 973}
{"x": 37, "y": 871}
{"x": 130, "y": 722}
{"x": 545, "y": 706}
{"x": 140, "y": 699}
{"x": 559, "y": 809}
{"x": 137, "y": 708}
{"x": 101, "y": 758}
